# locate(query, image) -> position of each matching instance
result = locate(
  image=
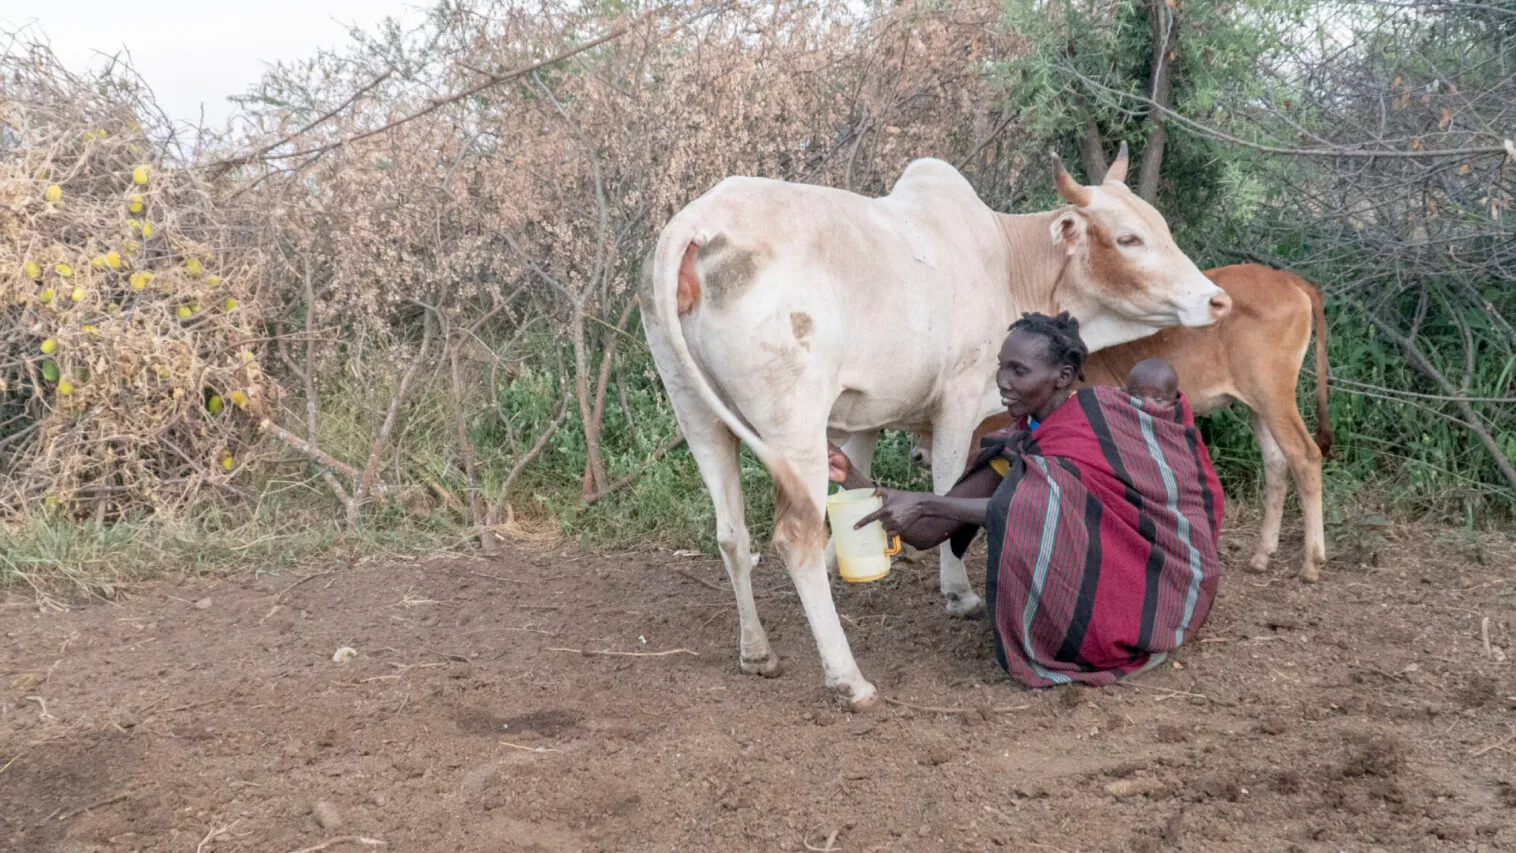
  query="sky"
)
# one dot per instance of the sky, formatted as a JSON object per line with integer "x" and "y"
{"x": 195, "y": 53}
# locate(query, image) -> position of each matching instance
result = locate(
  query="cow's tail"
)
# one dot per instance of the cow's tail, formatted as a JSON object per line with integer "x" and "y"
{"x": 1318, "y": 319}
{"x": 676, "y": 291}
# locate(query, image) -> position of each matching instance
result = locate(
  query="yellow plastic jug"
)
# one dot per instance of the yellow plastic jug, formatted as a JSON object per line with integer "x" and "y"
{"x": 862, "y": 555}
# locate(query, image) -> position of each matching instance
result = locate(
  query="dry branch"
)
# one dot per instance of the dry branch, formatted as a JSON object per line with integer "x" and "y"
{"x": 435, "y": 104}
{"x": 589, "y": 652}
{"x": 629, "y": 477}
{"x": 381, "y": 441}
{"x": 317, "y": 455}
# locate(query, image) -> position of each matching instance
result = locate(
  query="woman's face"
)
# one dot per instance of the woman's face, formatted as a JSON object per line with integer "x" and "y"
{"x": 1030, "y": 383}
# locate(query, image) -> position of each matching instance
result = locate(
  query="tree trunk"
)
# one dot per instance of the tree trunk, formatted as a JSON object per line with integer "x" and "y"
{"x": 582, "y": 390}
{"x": 1163, "y": 24}
{"x": 591, "y": 485}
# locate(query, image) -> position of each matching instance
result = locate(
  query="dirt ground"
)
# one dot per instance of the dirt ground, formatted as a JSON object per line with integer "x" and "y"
{"x": 207, "y": 714}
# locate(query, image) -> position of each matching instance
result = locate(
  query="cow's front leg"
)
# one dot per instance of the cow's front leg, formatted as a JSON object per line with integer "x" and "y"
{"x": 950, "y": 440}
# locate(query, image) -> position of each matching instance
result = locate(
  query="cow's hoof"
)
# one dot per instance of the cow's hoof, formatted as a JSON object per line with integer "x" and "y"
{"x": 767, "y": 666}
{"x": 1310, "y": 574}
{"x": 862, "y": 698}
{"x": 1259, "y": 563}
{"x": 966, "y": 605}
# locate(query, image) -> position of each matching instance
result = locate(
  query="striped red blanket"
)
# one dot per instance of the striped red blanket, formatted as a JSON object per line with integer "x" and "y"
{"x": 1102, "y": 539}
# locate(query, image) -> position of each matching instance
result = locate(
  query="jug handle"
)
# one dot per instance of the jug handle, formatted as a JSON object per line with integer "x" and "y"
{"x": 894, "y": 547}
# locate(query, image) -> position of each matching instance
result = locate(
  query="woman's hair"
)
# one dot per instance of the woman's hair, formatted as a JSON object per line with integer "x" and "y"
{"x": 1062, "y": 334}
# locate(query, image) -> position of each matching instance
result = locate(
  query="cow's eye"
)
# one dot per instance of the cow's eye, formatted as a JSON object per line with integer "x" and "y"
{"x": 1129, "y": 240}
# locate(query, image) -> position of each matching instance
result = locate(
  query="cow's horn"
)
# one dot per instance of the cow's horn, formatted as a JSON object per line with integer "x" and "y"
{"x": 1068, "y": 189}
{"x": 1117, "y": 172}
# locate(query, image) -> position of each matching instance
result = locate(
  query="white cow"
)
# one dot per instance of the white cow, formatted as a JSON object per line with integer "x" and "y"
{"x": 784, "y": 314}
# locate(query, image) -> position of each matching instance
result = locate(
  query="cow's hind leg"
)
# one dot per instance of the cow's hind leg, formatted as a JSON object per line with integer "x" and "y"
{"x": 801, "y": 541}
{"x": 715, "y": 451}
{"x": 1298, "y": 451}
{"x": 1275, "y": 469}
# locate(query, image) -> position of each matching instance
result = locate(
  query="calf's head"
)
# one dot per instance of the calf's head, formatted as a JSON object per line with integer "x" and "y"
{"x": 1123, "y": 276}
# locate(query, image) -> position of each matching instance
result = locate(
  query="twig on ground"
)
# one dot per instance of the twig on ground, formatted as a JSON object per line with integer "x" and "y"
{"x": 529, "y": 748}
{"x": 1500, "y": 744}
{"x": 79, "y": 811}
{"x": 1484, "y": 636}
{"x": 213, "y": 834}
{"x": 285, "y": 591}
{"x": 344, "y": 839}
{"x": 627, "y": 654}
{"x": 43, "y": 702}
{"x": 404, "y": 668}
{"x": 827, "y": 847}
{"x": 697, "y": 579}
{"x": 932, "y": 709}
{"x": 1169, "y": 691}
{"x": 496, "y": 577}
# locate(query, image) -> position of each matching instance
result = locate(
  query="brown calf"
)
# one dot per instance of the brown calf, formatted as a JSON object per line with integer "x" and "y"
{"x": 1252, "y": 355}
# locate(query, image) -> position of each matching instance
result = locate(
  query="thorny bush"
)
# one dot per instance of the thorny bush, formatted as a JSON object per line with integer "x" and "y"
{"x": 128, "y": 333}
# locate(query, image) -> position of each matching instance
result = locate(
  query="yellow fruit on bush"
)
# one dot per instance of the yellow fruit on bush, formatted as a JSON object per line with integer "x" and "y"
{"x": 65, "y": 388}
{"x": 212, "y": 281}
{"x": 215, "y": 404}
{"x": 98, "y": 262}
{"x": 49, "y": 346}
{"x": 113, "y": 260}
{"x": 193, "y": 265}
{"x": 63, "y": 269}
{"x": 76, "y": 294}
{"x": 93, "y": 330}
{"x": 139, "y": 175}
{"x": 135, "y": 205}
{"x": 45, "y": 296}
{"x": 138, "y": 280}
{"x": 112, "y": 308}
{"x": 226, "y": 461}
{"x": 54, "y": 193}
{"x": 230, "y": 304}
{"x": 147, "y": 229}
{"x": 133, "y": 223}
{"x": 239, "y": 399}
{"x": 32, "y": 270}
{"x": 184, "y": 312}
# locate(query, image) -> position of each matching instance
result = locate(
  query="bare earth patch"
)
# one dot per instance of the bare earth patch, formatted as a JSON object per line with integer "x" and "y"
{"x": 1358, "y": 714}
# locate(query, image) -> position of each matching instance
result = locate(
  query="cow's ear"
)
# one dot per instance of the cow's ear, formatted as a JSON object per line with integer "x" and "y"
{"x": 1068, "y": 231}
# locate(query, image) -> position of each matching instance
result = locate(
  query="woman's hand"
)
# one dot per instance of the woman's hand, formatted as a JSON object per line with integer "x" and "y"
{"x": 900, "y": 510}
{"x": 837, "y": 464}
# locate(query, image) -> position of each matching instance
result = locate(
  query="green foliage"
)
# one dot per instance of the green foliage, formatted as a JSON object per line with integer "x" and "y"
{"x": 1084, "y": 56}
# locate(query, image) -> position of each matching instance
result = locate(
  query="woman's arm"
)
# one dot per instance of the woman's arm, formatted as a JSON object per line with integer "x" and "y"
{"x": 924, "y": 520}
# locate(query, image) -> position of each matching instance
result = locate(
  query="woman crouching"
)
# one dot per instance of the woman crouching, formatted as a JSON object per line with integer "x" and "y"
{"x": 1101, "y": 509}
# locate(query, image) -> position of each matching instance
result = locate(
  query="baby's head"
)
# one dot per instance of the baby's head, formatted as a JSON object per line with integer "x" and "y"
{"x": 1155, "y": 381}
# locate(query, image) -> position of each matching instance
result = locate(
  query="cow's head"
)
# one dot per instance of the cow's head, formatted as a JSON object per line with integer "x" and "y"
{"x": 1124, "y": 277}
